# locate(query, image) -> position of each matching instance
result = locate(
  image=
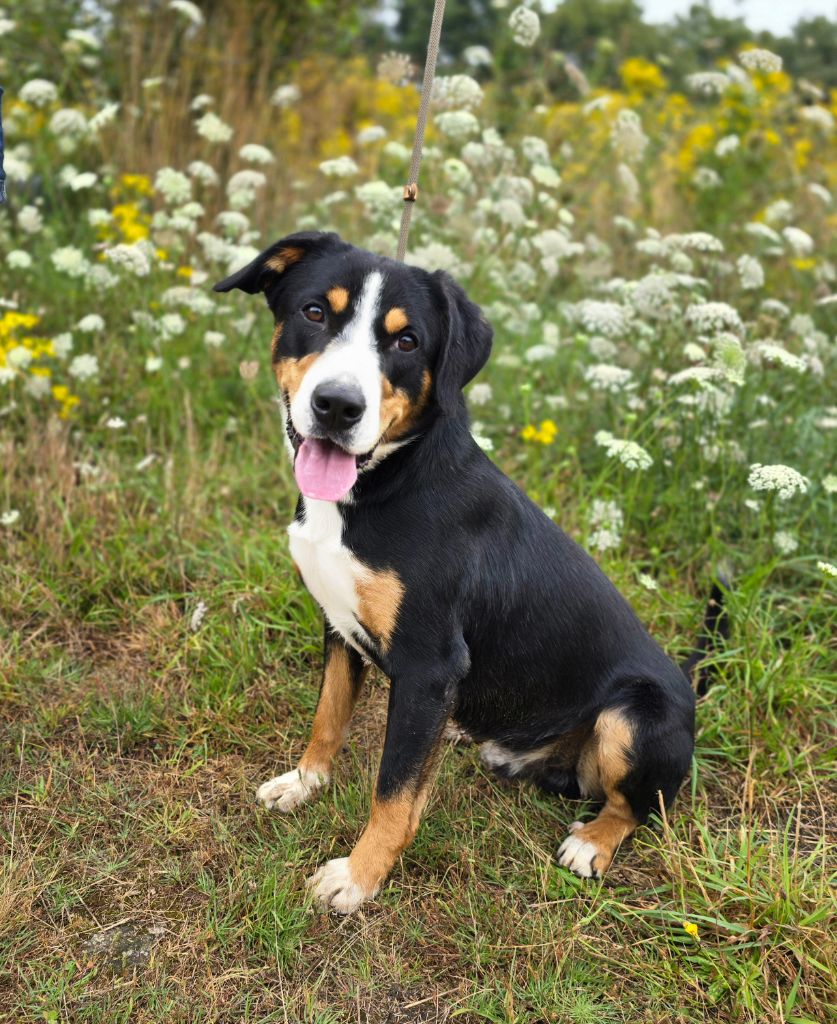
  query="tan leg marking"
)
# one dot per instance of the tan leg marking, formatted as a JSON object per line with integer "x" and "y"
{"x": 395, "y": 320}
{"x": 345, "y": 883}
{"x": 281, "y": 260}
{"x": 331, "y": 722}
{"x": 289, "y": 372}
{"x": 379, "y": 597}
{"x": 333, "y": 714}
{"x": 338, "y": 298}
{"x": 603, "y": 765}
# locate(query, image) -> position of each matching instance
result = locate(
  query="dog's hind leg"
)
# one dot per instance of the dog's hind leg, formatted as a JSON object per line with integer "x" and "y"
{"x": 604, "y": 764}
{"x": 639, "y": 752}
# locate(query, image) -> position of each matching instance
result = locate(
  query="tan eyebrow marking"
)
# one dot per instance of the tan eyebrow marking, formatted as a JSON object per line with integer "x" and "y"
{"x": 338, "y": 298}
{"x": 395, "y": 320}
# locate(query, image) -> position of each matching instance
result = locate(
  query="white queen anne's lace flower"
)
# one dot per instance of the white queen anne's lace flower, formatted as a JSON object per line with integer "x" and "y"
{"x": 525, "y": 26}
{"x": 173, "y": 185}
{"x": 457, "y": 124}
{"x": 84, "y": 367}
{"x": 256, "y": 154}
{"x": 339, "y": 167}
{"x": 212, "y": 128}
{"x": 750, "y": 272}
{"x": 760, "y": 60}
{"x": 607, "y": 377}
{"x": 629, "y": 453}
{"x": 40, "y": 92}
{"x": 712, "y": 317}
{"x": 784, "y": 480}
{"x": 70, "y": 261}
{"x": 133, "y": 258}
{"x": 456, "y": 92}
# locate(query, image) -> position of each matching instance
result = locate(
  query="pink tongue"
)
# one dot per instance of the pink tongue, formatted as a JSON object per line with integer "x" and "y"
{"x": 324, "y": 471}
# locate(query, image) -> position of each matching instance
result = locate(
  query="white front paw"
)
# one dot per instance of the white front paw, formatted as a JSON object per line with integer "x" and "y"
{"x": 336, "y": 889}
{"x": 578, "y": 855}
{"x": 291, "y": 789}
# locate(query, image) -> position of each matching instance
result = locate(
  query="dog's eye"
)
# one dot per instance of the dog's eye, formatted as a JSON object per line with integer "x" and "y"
{"x": 406, "y": 342}
{"x": 314, "y": 312}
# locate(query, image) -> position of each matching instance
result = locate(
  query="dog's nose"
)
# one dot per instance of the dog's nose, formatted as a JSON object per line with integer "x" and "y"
{"x": 336, "y": 406}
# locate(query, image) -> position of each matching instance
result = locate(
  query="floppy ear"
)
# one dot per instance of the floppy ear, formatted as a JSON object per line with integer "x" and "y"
{"x": 467, "y": 346}
{"x": 278, "y": 257}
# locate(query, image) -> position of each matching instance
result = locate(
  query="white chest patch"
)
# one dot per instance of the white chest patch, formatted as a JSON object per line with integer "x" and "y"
{"x": 330, "y": 571}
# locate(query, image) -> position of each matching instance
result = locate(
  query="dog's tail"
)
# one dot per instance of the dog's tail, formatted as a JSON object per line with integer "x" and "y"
{"x": 715, "y": 628}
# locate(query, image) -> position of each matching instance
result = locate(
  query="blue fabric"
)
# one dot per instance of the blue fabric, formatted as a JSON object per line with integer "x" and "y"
{"x": 2, "y": 172}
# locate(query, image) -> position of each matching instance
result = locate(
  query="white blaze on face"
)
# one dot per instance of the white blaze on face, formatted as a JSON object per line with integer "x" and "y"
{"x": 351, "y": 358}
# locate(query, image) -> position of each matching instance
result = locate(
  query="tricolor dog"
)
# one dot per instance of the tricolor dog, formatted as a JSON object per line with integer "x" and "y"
{"x": 432, "y": 565}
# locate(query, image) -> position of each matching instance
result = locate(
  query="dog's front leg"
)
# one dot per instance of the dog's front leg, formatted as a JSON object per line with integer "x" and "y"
{"x": 343, "y": 675}
{"x": 416, "y": 719}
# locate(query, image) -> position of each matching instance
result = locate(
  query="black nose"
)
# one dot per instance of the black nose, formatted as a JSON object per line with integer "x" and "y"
{"x": 336, "y": 406}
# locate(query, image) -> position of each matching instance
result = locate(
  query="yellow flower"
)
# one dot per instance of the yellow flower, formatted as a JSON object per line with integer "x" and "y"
{"x": 639, "y": 75}
{"x": 185, "y": 272}
{"x": 690, "y": 929}
{"x": 545, "y": 434}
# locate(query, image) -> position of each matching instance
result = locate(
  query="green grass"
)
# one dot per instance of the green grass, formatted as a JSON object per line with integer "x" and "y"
{"x": 134, "y": 746}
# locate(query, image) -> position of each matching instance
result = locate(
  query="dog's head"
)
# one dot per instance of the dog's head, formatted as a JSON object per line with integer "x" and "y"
{"x": 365, "y": 351}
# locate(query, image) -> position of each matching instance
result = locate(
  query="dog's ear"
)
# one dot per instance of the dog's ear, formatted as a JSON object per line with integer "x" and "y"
{"x": 276, "y": 259}
{"x": 467, "y": 344}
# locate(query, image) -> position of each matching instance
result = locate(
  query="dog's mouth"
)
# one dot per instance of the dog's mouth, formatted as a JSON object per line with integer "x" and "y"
{"x": 323, "y": 469}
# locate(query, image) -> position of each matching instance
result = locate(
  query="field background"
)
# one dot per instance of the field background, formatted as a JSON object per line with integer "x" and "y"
{"x": 647, "y": 215}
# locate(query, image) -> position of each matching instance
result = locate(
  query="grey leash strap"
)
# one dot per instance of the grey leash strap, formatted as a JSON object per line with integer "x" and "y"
{"x": 411, "y": 188}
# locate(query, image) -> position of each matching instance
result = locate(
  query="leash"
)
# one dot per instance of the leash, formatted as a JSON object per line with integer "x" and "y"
{"x": 411, "y": 188}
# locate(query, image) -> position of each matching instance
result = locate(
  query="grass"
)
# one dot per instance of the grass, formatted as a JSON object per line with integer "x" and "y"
{"x": 134, "y": 745}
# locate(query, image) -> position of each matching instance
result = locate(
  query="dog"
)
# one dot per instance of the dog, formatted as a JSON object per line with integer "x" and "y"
{"x": 429, "y": 563}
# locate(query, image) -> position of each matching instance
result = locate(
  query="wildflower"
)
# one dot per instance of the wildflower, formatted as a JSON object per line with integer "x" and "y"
{"x": 690, "y": 929}
{"x": 705, "y": 178}
{"x": 545, "y": 434}
{"x": 607, "y": 377}
{"x": 785, "y": 542}
{"x": 70, "y": 261}
{"x": 481, "y": 394}
{"x": 728, "y": 144}
{"x": 134, "y": 258}
{"x": 829, "y": 483}
{"x": 84, "y": 367}
{"x": 771, "y": 352}
{"x": 395, "y": 68}
{"x": 39, "y": 92}
{"x": 438, "y": 256}
{"x": 820, "y": 117}
{"x": 827, "y": 569}
{"x": 762, "y": 231}
{"x": 6, "y": 26}
{"x": 213, "y": 339}
{"x": 708, "y": 83}
{"x": 525, "y": 26}
{"x": 821, "y": 192}
{"x": 546, "y": 175}
{"x": 202, "y": 172}
{"x": 103, "y": 118}
{"x": 784, "y": 480}
{"x": 648, "y": 581}
{"x": 628, "y": 138}
{"x": 475, "y": 56}
{"x": 750, "y": 272}
{"x": 248, "y": 368}
{"x": 190, "y": 11}
{"x": 711, "y": 317}
{"x": 777, "y": 211}
{"x": 173, "y": 185}
{"x": 760, "y": 60}
{"x": 29, "y": 219}
{"x": 373, "y": 133}
{"x": 457, "y": 124}
{"x": 340, "y": 167}
{"x": 91, "y": 323}
{"x": 212, "y": 128}
{"x": 62, "y": 345}
{"x": 144, "y": 463}
{"x": 629, "y": 453}
{"x": 68, "y": 122}
{"x": 115, "y": 423}
{"x": 607, "y": 318}
{"x": 456, "y": 92}
{"x": 286, "y": 95}
{"x": 9, "y": 518}
{"x": 800, "y": 241}
{"x": 19, "y": 260}
{"x": 729, "y": 357}
{"x": 153, "y": 364}
{"x": 483, "y": 441}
